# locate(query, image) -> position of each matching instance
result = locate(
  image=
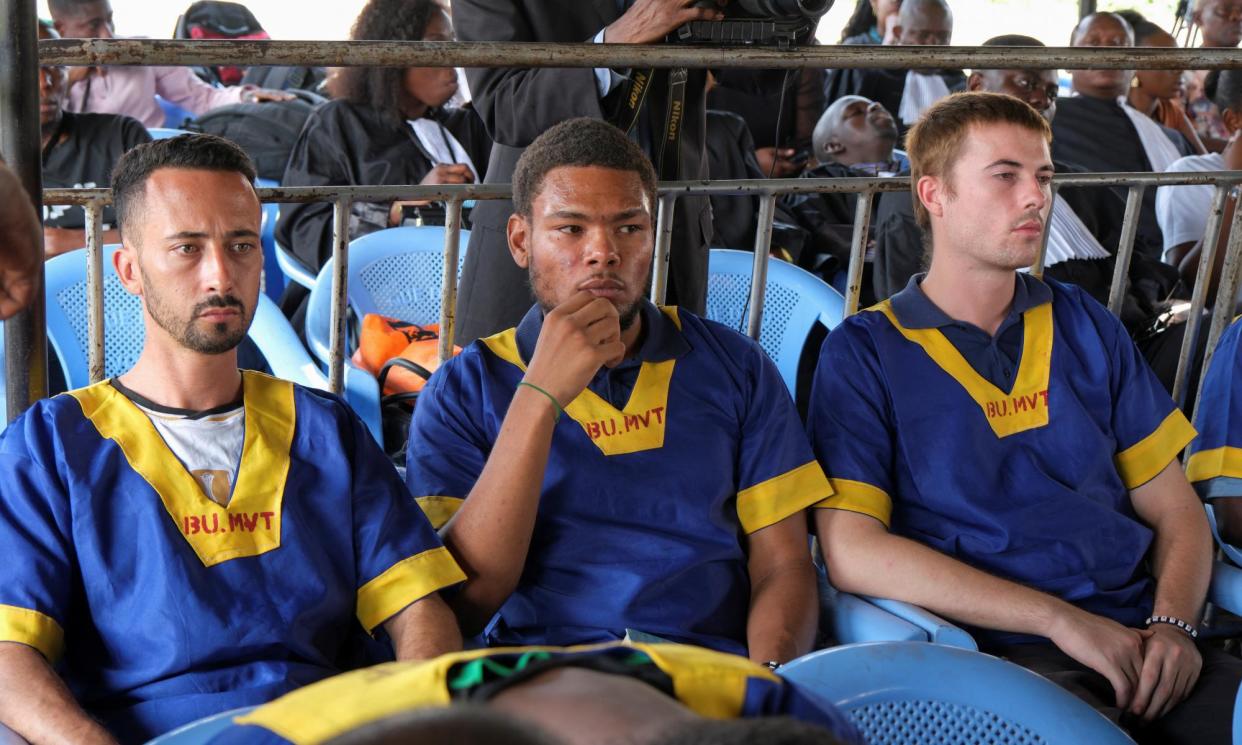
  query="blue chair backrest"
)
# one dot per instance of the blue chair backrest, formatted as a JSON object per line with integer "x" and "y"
{"x": 273, "y": 276}
{"x": 395, "y": 272}
{"x": 913, "y": 693}
{"x": 124, "y": 332}
{"x": 794, "y": 300}
{"x": 164, "y": 133}
{"x": 1231, "y": 551}
{"x": 202, "y": 731}
{"x": 174, "y": 115}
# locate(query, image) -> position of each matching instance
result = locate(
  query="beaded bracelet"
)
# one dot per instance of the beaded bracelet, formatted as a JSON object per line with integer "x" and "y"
{"x": 1179, "y": 623}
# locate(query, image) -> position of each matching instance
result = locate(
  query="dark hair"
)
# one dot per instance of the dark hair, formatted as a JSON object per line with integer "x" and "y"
{"x": 193, "y": 151}
{"x": 1224, "y": 88}
{"x": 577, "y": 142}
{"x": 861, "y": 21}
{"x": 1124, "y": 24}
{"x": 1143, "y": 28}
{"x": 1012, "y": 40}
{"x": 453, "y": 725}
{"x": 381, "y": 88}
{"x": 766, "y": 730}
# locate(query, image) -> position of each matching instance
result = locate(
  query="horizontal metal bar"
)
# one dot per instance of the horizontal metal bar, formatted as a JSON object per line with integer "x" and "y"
{"x": 739, "y": 187}
{"x": 531, "y": 54}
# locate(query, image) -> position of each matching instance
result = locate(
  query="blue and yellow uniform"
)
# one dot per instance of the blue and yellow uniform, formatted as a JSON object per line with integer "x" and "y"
{"x": 169, "y": 607}
{"x": 711, "y": 684}
{"x": 1215, "y": 463}
{"x": 657, "y": 473}
{"x": 1026, "y": 478}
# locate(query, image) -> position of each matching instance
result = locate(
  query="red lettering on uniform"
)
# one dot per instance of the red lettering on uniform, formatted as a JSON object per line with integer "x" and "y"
{"x": 215, "y": 524}
{"x": 237, "y": 522}
{"x": 659, "y": 414}
{"x": 191, "y": 525}
{"x": 1044, "y": 395}
{"x": 592, "y": 429}
{"x": 991, "y": 410}
{"x": 267, "y": 519}
{"x": 1019, "y": 404}
{"x": 252, "y": 521}
{"x": 609, "y": 427}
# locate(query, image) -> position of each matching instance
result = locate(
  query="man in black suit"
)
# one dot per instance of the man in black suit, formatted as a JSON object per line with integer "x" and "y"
{"x": 518, "y": 105}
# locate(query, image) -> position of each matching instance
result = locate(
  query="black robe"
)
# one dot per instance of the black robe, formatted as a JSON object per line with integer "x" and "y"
{"x": 1096, "y": 135}
{"x": 886, "y": 87}
{"x": 348, "y": 144}
{"x": 828, "y": 218}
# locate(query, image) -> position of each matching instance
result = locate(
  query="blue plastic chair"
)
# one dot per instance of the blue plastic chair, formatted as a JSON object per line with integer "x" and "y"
{"x": 273, "y": 273}
{"x": 174, "y": 115}
{"x": 292, "y": 268}
{"x": 202, "y": 731}
{"x": 124, "y": 332}
{"x": 163, "y": 133}
{"x": 794, "y": 301}
{"x": 908, "y": 693}
{"x": 395, "y": 272}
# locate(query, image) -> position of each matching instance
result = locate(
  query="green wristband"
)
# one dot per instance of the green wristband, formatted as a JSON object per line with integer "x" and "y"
{"x": 556, "y": 416}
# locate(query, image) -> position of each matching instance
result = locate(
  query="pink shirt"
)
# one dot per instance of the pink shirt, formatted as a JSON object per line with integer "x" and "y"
{"x": 131, "y": 90}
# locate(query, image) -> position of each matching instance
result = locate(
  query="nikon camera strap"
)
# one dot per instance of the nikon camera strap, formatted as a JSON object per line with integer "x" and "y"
{"x": 666, "y": 149}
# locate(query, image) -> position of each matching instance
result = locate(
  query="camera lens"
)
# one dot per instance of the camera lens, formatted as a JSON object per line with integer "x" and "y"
{"x": 786, "y": 8}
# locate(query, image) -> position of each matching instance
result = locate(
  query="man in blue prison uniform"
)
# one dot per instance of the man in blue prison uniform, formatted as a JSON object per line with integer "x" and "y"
{"x": 642, "y": 694}
{"x": 1215, "y": 463}
{"x": 189, "y": 538}
{"x": 1002, "y": 455}
{"x": 610, "y": 467}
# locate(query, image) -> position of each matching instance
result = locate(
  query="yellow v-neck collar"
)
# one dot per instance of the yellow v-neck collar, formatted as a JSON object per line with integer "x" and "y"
{"x": 1023, "y": 408}
{"x": 250, "y": 524}
{"x": 639, "y": 426}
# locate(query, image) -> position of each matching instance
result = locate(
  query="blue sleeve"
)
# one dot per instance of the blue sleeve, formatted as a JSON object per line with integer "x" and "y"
{"x": 447, "y": 447}
{"x": 1215, "y": 463}
{"x": 850, "y": 424}
{"x": 777, "y": 475}
{"x": 605, "y": 78}
{"x": 39, "y": 570}
{"x": 398, "y": 555}
{"x": 1148, "y": 427}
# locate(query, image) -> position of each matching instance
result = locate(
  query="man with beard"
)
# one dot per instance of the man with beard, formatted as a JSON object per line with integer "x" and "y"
{"x": 610, "y": 469}
{"x": 196, "y": 538}
{"x": 1002, "y": 450}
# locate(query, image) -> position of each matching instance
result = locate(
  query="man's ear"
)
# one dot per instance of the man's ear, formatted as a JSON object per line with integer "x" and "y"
{"x": 1231, "y": 119}
{"x": 896, "y": 28}
{"x": 931, "y": 191}
{"x": 832, "y": 147}
{"x": 125, "y": 262}
{"x": 518, "y": 231}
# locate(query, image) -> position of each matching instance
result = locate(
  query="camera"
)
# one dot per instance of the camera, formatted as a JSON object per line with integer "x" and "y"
{"x": 780, "y": 23}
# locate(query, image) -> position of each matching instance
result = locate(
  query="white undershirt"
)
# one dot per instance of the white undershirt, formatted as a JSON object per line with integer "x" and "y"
{"x": 209, "y": 447}
{"x": 440, "y": 144}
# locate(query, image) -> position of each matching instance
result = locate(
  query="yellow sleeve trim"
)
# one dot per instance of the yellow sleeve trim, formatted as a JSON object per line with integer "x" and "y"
{"x": 439, "y": 509}
{"x": 771, "y": 501}
{"x": 1142, "y": 461}
{"x": 1215, "y": 463}
{"x": 860, "y": 497}
{"x": 32, "y": 628}
{"x": 410, "y": 579}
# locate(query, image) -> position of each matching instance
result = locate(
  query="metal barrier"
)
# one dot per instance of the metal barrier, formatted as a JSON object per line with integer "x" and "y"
{"x": 25, "y": 339}
{"x": 767, "y": 190}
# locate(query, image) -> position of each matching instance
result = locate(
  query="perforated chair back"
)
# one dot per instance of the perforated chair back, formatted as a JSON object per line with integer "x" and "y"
{"x": 794, "y": 300}
{"x": 913, "y": 693}
{"x": 395, "y": 272}
{"x": 124, "y": 332}
{"x": 202, "y": 731}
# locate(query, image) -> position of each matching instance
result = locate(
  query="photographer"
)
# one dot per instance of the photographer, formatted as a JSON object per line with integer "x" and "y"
{"x": 519, "y": 104}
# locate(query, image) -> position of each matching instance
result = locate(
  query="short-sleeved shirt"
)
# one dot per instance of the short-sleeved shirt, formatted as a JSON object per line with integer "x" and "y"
{"x": 1030, "y": 482}
{"x": 84, "y": 159}
{"x": 710, "y": 684}
{"x": 1215, "y": 463}
{"x": 657, "y": 473}
{"x": 160, "y": 606}
{"x": 1183, "y": 210}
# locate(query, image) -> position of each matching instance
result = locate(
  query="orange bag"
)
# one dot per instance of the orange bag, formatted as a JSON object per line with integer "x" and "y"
{"x": 384, "y": 338}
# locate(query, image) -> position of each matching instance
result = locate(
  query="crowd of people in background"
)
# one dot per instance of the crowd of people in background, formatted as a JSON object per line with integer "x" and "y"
{"x": 592, "y": 467}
